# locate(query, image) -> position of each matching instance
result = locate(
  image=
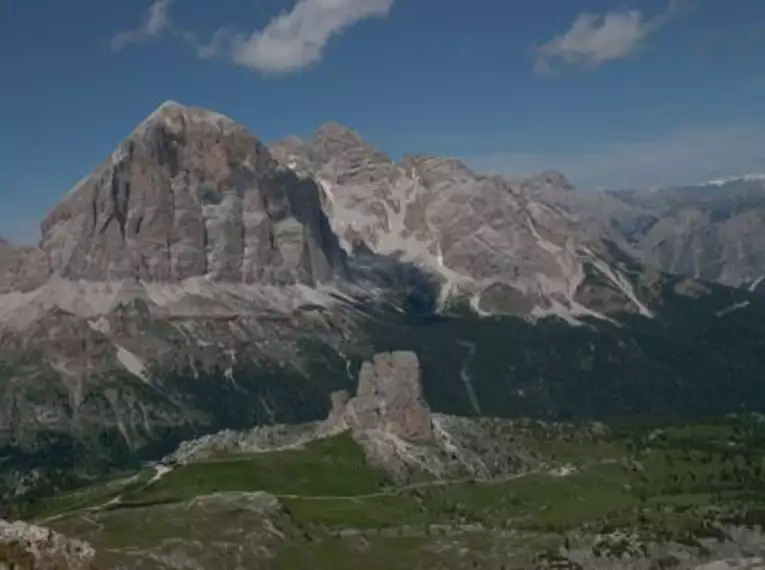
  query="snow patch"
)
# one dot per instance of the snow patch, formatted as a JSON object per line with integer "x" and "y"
{"x": 752, "y": 177}
{"x": 732, "y": 308}
{"x": 326, "y": 186}
{"x": 131, "y": 362}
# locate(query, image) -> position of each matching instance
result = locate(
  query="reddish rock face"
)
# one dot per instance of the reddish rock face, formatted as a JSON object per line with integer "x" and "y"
{"x": 191, "y": 193}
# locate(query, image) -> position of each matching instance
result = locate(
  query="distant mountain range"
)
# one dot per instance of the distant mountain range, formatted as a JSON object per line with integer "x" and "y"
{"x": 199, "y": 279}
{"x": 712, "y": 231}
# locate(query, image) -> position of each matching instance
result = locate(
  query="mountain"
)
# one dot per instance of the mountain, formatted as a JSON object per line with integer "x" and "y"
{"x": 199, "y": 280}
{"x": 486, "y": 239}
{"x": 190, "y": 193}
{"x": 714, "y": 232}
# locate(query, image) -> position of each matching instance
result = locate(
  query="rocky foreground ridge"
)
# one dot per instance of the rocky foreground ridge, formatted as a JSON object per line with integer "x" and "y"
{"x": 30, "y": 547}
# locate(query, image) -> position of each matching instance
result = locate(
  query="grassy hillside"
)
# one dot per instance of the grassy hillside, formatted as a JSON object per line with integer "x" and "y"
{"x": 332, "y": 511}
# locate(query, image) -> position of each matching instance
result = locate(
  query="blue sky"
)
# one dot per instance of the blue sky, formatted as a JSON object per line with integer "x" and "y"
{"x": 613, "y": 93}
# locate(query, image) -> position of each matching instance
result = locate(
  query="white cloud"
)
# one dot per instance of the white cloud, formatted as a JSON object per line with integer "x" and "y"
{"x": 595, "y": 39}
{"x": 688, "y": 156}
{"x": 295, "y": 39}
{"x": 156, "y": 22}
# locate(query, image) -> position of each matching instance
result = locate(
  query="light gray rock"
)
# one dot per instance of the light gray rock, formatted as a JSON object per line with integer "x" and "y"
{"x": 389, "y": 398}
{"x": 713, "y": 232}
{"x": 31, "y": 546}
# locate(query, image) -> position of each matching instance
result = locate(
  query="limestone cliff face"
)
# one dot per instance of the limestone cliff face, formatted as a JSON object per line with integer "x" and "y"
{"x": 389, "y": 418}
{"x": 486, "y": 238}
{"x": 191, "y": 193}
{"x": 389, "y": 398}
{"x": 188, "y": 255}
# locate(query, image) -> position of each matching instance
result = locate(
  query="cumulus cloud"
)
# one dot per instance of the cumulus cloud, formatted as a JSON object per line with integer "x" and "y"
{"x": 294, "y": 39}
{"x": 688, "y": 156}
{"x": 156, "y": 22}
{"x": 594, "y": 39}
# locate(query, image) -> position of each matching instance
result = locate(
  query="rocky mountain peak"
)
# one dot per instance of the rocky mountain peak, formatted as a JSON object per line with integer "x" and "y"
{"x": 336, "y": 143}
{"x": 190, "y": 193}
{"x": 173, "y": 114}
{"x": 497, "y": 242}
{"x": 333, "y": 131}
{"x": 429, "y": 169}
{"x": 551, "y": 179}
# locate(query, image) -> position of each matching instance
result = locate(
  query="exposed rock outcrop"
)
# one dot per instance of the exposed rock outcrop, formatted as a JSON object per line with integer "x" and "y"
{"x": 389, "y": 398}
{"x": 390, "y": 420}
{"x": 388, "y": 401}
{"x": 29, "y": 547}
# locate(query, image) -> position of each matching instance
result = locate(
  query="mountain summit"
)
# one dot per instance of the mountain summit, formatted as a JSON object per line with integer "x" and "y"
{"x": 188, "y": 194}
